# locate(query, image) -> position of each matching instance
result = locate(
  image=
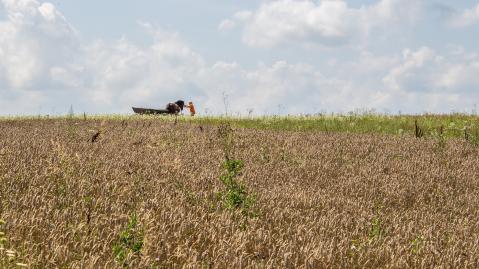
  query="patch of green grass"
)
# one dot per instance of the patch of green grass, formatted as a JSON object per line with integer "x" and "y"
{"x": 129, "y": 242}
{"x": 451, "y": 125}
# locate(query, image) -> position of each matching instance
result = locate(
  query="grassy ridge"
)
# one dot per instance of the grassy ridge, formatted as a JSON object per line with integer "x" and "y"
{"x": 452, "y": 125}
{"x": 431, "y": 125}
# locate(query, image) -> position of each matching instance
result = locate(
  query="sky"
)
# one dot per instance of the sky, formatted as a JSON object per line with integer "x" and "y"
{"x": 239, "y": 57}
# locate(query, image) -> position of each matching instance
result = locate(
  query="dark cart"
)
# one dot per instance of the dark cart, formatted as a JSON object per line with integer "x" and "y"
{"x": 150, "y": 111}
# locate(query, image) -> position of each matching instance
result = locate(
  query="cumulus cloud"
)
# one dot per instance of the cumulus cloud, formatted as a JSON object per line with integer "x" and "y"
{"x": 122, "y": 73}
{"x": 43, "y": 58}
{"x": 434, "y": 82}
{"x": 45, "y": 63}
{"x": 324, "y": 22}
{"x": 426, "y": 70}
{"x": 414, "y": 72}
{"x": 45, "y": 66}
{"x": 35, "y": 37}
{"x": 465, "y": 18}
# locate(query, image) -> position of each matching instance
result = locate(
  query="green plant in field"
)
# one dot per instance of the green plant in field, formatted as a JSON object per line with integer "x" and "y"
{"x": 235, "y": 195}
{"x": 376, "y": 227}
{"x": 375, "y": 232}
{"x": 439, "y": 137}
{"x": 418, "y": 131}
{"x": 472, "y": 136}
{"x": 129, "y": 242}
{"x": 417, "y": 244}
{"x": 356, "y": 246}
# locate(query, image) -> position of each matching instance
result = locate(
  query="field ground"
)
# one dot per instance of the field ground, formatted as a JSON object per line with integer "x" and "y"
{"x": 143, "y": 192}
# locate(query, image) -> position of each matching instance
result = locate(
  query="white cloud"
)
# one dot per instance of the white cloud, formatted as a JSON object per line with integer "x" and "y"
{"x": 33, "y": 38}
{"x": 44, "y": 64}
{"x": 425, "y": 70}
{"x": 465, "y": 18}
{"x": 105, "y": 77}
{"x": 41, "y": 55}
{"x": 263, "y": 88}
{"x": 428, "y": 80}
{"x": 122, "y": 74}
{"x": 326, "y": 22}
{"x": 410, "y": 75}
{"x": 461, "y": 77}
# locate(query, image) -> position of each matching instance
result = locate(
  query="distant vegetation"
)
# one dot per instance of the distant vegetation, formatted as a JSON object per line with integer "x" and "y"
{"x": 430, "y": 125}
{"x": 452, "y": 125}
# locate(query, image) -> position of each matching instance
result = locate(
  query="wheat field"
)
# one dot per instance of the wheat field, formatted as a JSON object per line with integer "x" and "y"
{"x": 142, "y": 193}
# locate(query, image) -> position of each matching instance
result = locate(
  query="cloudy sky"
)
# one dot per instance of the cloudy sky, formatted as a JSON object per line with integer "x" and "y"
{"x": 270, "y": 56}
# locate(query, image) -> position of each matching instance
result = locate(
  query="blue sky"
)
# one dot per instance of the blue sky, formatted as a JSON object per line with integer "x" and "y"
{"x": 283, "y": 56}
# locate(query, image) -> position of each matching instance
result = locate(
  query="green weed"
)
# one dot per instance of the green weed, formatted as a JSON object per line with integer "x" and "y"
{"x": 235, "y": 195}
{"x": 472, "y": 137}
{"x": 129, "y": 242}
{"x": 417, "y": 244}
{"x": 438, "y": 135}
{"x": 376, "y": 230}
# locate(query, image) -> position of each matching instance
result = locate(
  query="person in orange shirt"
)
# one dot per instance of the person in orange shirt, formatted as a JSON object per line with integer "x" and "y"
{"x": 192, "y": 108}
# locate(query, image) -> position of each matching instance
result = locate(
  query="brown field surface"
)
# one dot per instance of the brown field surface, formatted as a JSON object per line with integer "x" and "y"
{"x": 144, "y": 194}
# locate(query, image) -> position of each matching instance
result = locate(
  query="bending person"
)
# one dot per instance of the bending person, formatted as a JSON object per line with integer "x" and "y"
{"x": 192, "y": 109}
